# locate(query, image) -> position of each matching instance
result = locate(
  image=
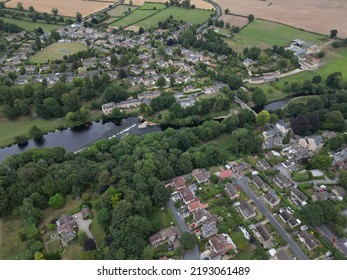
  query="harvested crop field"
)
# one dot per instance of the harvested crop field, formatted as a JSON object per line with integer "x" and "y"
{"x": 313, "y": 15}
{"x": 234, "y": 20}
{"x": 198, "y": 3}
{"x": 119, "y": 10}
{"x": 65, "y": 7}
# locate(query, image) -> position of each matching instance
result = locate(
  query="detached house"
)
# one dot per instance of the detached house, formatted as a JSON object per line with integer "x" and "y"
{"x": 187, "y": 195}
{"x": 312, "y": 144}
{"x": 282, "y": 181}
{"x": 201, "y": 215}
{"x": 231, "y": 190}
{"x": 225, "y": 174}
{"x": 259, "y": 183}
{"x": 179, "y": 182}
{"x": 246, "y": 210}
{"x": 209, "y": 229}
{"x": 201, "y": 175}
{"x": 66, "y": 226}
{"x": 308, "y": 239}
{"x": 220, "y": 245}
{"x": 165, "y": 235}
{"x": 262, "y": 164}
{"x": 298, "y": 197}
{"x": 272, "y": 199}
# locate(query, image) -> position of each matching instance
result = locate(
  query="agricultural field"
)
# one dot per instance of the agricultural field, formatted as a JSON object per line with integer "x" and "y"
{"x": 119, "y": 11}
{"x": 265, "y": 34}
{"x": 134, "y": 17}
{"x": 234, "y": 20}
{"x": 31, "y": 26}
{"x": 65, "y": 7}
{"x": 318, "y": 16}
{"x": 57, "y": 51}
{"x": 187, "y": 15}
{"x": 152, "y": 6}
{"x": 200, "y": 4}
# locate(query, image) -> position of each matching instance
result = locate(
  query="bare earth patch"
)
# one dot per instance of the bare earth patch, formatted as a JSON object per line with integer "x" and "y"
{"x": 198, "y": 3}
{"x": 234, "y": 20}
{"x": 65, "y": 7}
{"x": 313, "y": 15}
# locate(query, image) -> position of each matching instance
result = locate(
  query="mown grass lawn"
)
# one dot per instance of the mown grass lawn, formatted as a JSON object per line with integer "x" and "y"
{"x": 31, "y": 26}
{"x": 160, "y": 217}
{"x": 57, "y": 51}
{"x": 152, "y": 6}
{"x": 265, "y": 34}
{"x": 194, "y": 16}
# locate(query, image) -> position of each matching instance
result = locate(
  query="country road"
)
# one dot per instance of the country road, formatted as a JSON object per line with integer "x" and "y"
{"x": 193, "y": 254}
{"x": 217, "y": 15}
{"x": 243, "y": 182}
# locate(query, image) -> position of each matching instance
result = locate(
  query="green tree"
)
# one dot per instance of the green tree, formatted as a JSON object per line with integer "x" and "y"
{"x": 334, "y": 121}
{"x": 148, "y": 253}
{"x": 259, "y": 97}
{"x": 55, "y": 35}
{"x": 57, "y": 201}
{"x": 336, "y": 142}
{"x": 343, "y": 179}
{"x": 321, "y": 161}
{"x": 187, "y": 241}
{"x": 263, "y": 118}
{"x": 250, "y": 18}
{"x": 20, "y": 6}
{"x": 4, "y": 205}
{"x": 161, "y": 82}
{"x": 35, "y": 132}
{"x": 78, "y": 17}
{"x": 104, "y": 217}
{"x": 333, "y": 33}
{"x": 55, "y": 11}
{"x": 244, "y": 142}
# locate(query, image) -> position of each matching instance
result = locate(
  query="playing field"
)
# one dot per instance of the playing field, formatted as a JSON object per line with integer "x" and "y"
{"x": 193, "y": 16}
{"x": 314, "y": 15}
{"x": 65, "y": 7}
{"x": 134, "y": 17}
{"x": 30, "y": 26}
{"x": 198, "y": 3}
{"x": 265, "y": 34}
{"x": 57, "y": 51}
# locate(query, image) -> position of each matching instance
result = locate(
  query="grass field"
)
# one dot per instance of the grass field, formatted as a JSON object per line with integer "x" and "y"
{"x": 265, "y": 34}
{"x": 57, "y": 51}
{"x": 11, "y": 246}
{"x": 30, "y": 26}
{"x": 193, "y": 16}
{"x": 133, "y": 17}
{"x": 72, "y": 252}
{"x": 97, "y": 230}
{"x": 152, "y": 6}
{"x": 160, "y": 217}
{"x": 119, "y": 10}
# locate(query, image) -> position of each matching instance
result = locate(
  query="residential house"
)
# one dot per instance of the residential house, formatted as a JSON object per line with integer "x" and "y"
{"x": 239, "y": 167}
{"x": 312, "y": 144}
{"x": 220, "y": 245}
{"x": 66, "y": 226}
{"x": 288, "y": 218}
{"x": 320, "y": 196}
{"x": 201, "y": 215}
{"x": 298, "y": 197}
{"x": 246, "y": 210}
{"x": 149, "y": 95}
{"x": 339, "y": 192}
{"x": 129, "y": 104}
{"x": 283, "y": 126}
{"x": 167, "y": 235}
{"x": 201, "y": 175}
{"x": 262, "y": 233}
{"x": 179, "y": 182}
{"x": 108, "y": 107}
{"x": 282, "y": 254}
{"x": 259, "y": 183}
{"x": 282, "y": 181}
{"x": 225, "y": 174}
{"x": 341, "y": 245}
{"x": 272, "y": 199}
{"x": 195, "y": 205}
{"x": 231, "y": 190}
{"x": 209, "y": 229}
{"x": 308, "y": 239}
{"x": 262, "y": 164}
{"x": 187, "y": 195}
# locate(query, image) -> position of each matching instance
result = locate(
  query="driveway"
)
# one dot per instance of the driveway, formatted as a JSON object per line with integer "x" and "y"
{"x": 193, "y": 254}
{"x": 83, "y": 224}
{"x": 284, "y": 171}
{"x": 243, "y": 182}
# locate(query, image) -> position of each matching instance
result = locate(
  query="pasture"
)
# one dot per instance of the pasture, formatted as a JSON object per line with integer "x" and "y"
{"x": 265, "y": 34}
{"x": 318, "y": 16}
{"x": 119, "y": 11}
{"x": 65, "y": 7}
{"x": 133, "y": 17}
{"x": 152, "y": 6}
{"x": 57, "y": 51}
{"x": 29, "y": 25}
{"x": 200, "y": 4}
{"x": 193, "y": 16}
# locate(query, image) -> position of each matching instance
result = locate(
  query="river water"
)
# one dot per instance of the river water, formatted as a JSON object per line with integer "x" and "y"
{"x": 78, "y": 138}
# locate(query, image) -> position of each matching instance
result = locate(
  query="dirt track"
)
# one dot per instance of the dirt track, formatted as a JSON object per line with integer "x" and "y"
{"x": 314, "y": 15}
{"x": 65, "y": 7}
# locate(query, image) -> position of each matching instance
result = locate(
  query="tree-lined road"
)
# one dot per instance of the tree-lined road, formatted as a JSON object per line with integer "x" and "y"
{"x": 243, "y": 182}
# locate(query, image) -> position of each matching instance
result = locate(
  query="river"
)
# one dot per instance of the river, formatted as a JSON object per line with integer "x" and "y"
{"x": 75, "y": 139}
